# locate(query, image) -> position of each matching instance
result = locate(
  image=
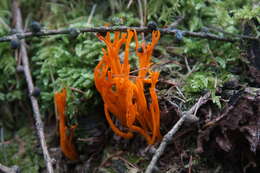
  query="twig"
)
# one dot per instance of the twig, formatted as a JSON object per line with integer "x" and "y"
{"x": 169, "y": 31}
{"x": 214, "y": 121}
{"x": 92, "y": 13}
{"x": 145, "y": 11}
{"x": 187, "y": 64}
{"x": 166, "y": 139}
{"x": 176, "y": 22}
{"x": 172, "y": 83}
{"x": 129, "y": 163}
{"x": 77, "y": 90}
{"x": 129, "y": 4}
{"x": 13, "y": 169}
{"x": 190, "y": 164}
{"x": 141, "y": 13}
{"x": 182, "y": 100}
{"x": 181, "y": 94}
{"x": 2, "y": 145}
{"x": 38, "y": 122}
{"x": 90, "y": 139}
{"x": 176, "y": 107}
{"x": 21, "y": 148}
{"x": 216, "y": 29}
{"x": 231, "y": 106}
{"x": 107, "y": 159}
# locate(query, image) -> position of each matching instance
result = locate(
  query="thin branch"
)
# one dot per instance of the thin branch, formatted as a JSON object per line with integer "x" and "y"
{"x": 216, "y": 29}
{"x": 214, "y": 121}
{"x": 2, "y": 145}
{"x": 145, "y": 11}
{"x": 141, "y": 13}
{"x": 176, "y": 22}
{"x": 190, "y": 164}
{"x": 169, "y": 31}
{"x": 187, "y": 64}
{"x": 92, "y": 13}
{"x": 13, "y": 169}
{"x": 129, "y": 4}
{"x": 128, "y": 163}
{"x": 103, "y": 163}
{"x": 77, "y": 90}
{"x": 36, "y": 111}
{"x": 167, "y": 138}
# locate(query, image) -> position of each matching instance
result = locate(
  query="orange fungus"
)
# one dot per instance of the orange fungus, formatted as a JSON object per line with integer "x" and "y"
{"x": 124, "y": 94}
{"x": 67, "y": 146}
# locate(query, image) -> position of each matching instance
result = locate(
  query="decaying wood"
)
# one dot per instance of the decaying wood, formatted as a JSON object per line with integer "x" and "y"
{"x": 232, "y": 136}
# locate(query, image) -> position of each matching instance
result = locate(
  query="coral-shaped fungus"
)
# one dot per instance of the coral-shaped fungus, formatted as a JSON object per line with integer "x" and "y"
{"x": 122, "y": 93}
{"x": 66, "y": 133}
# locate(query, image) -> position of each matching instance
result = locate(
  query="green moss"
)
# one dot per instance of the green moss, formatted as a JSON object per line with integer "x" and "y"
{"x": 21, "y": 150}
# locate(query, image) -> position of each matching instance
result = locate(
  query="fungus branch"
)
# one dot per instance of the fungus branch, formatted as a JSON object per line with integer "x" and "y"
{"x": 17, "y": 19}
{"x": 166, "y": 139}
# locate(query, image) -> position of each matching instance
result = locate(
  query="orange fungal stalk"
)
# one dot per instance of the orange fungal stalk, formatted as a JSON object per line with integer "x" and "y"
{"x": 66, "y": 143}
{"x": 123, "y": 95}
